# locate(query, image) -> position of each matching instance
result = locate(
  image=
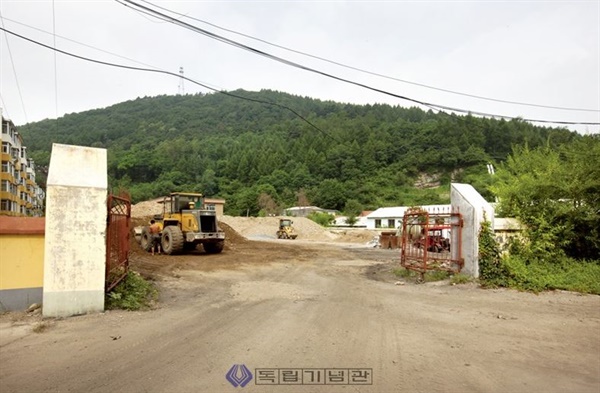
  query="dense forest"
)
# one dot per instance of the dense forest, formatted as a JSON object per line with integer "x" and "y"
{"x": 262, "y": 157}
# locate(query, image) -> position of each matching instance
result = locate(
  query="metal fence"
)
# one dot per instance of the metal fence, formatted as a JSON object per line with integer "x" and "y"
{"x": 117, "y": 240}
{"x": 431, "y": 241}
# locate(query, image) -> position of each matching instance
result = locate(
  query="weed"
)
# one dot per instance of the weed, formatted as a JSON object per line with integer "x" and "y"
{"x": 404, "y": 273}
{"x": 460, "y": 278}
{"x": 133, "y": 293}
{"x": 563, "y": 273}
{"x": 435, "y": 275}
{"x": 430, "y": 276}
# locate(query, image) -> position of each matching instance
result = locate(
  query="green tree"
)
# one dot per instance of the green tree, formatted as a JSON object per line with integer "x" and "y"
{"x": 351, "y": 220}
{"x": 554, "y": 192}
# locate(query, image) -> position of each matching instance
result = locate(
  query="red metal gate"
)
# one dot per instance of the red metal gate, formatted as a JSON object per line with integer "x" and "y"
{"x": 117, "y": 240}
{"x": 431, "y": 241}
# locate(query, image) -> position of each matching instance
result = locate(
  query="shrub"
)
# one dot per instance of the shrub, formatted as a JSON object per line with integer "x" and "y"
{"x": 323, "y": 219}
{"x": 133, "y": 293}
{"x": 492, "y": 272}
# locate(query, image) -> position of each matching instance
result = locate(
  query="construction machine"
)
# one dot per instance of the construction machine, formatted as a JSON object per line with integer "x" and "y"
{"x": 286, "y": 230}
{"x": 185, "y": 223}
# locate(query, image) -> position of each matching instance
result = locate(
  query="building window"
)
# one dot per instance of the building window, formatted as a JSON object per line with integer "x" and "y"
{"x": 391, "y": 223}
{"x": 377, "y": 223}
{"x": 5, "y": 205}
{"x": 5, "y": 148}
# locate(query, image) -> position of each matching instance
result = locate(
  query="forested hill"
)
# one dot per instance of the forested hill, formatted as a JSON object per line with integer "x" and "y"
{"x": 258, "y": 156}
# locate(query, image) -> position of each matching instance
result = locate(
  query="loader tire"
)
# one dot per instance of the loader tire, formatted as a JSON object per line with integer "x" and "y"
{"x": 213, "y": 248}
{"x": 146, "y": 239}
{"x": 172, "y": 240}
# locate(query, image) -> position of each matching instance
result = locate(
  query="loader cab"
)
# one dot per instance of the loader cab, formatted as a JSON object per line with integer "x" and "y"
{"x": 284, "y": 222}
{"x": 186, "y": 201}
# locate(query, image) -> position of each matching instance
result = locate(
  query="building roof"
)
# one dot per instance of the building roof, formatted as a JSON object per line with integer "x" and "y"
{"x": 398, "y": 211}
{"x": 294, "y": 208}
{"x": 214, "y": 200}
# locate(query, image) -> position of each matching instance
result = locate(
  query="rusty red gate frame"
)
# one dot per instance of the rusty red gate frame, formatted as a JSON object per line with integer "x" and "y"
{"x": 118, "y": 226}
{"x": 431, "y": 241}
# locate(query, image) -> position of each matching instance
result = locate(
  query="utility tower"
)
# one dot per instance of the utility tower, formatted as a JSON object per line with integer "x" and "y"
{"x": 180, "y": 89}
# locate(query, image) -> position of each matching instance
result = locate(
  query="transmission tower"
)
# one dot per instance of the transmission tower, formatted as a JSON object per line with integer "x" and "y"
{"x": 180, "y": 89}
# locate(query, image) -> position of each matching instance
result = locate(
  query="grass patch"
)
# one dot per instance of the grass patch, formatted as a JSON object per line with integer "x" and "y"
{"x": 430, "y": 276}
{"x": 460, "y": 278}
{"x": 133, "y": 293}
{"x": 404, "y": 273}
{"x": 565, "y": 273}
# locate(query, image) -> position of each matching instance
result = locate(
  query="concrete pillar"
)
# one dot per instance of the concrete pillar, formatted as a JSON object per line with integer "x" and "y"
{"x": 75, "y": 249}
{"x": 472, "y": 207}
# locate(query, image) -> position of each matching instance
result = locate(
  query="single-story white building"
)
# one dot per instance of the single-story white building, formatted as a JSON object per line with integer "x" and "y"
{"x": 340, "y": 221}
{"x": 391, "y": 217}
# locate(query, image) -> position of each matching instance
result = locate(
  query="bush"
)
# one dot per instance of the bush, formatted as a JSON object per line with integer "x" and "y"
{"x": 491, "y": 270}
{"x": 533, "y": 270}
{"x": 133, "y": 293}
{"x": 565, "y": 273}
{"x": 323, "y": 219}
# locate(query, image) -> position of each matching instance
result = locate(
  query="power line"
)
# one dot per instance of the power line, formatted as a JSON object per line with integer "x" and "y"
{"x": 371, "y": 72}
{"x": 159, "y": 15}
{"x": 14, "y": 72}
{"x": 94, "y": 47}
{"x": 56, "y": 50}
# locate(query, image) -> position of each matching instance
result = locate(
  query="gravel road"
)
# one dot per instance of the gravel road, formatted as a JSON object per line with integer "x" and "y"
{"x": 293, "y": 305}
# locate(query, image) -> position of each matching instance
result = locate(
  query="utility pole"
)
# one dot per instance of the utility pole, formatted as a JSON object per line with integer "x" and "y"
{"x": 180, "y": 89}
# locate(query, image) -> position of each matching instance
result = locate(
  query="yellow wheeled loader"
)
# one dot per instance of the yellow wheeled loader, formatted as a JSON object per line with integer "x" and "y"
{"x": 286, "y": 230}
{"x": 185, "y": 223}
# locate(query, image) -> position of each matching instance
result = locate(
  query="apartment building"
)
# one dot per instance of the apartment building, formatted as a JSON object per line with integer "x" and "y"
{"x": 19, "y": 193}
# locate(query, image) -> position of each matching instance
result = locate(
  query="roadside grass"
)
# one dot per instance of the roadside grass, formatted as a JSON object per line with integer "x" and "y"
{"x": 461, "y": 278}
{"x": 133, "y": 293}
{"x": 564, "y": 274}
{"x": 430, "y": 276}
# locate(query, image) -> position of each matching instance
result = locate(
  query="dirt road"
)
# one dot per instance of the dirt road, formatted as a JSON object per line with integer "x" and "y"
{"x": 300, "y": 305}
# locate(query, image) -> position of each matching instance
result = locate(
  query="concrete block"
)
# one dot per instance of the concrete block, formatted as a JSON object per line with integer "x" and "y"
{"x": 75, "y": 257}
{"x": 473, "y": 208}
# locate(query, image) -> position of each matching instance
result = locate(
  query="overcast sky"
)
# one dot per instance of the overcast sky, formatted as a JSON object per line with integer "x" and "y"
{"x": 537, "y": 52}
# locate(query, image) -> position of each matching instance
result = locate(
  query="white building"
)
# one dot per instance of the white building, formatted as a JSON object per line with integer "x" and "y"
{"x": 391, "y": 217}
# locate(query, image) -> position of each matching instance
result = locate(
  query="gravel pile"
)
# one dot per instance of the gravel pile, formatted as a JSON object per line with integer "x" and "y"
{"x": 147, "y": 208}
{"x": 266, "y": 227}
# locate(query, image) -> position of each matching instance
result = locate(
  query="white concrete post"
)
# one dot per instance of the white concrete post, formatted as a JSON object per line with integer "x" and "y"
{"x": 75, "y": 248}
{"x": 471, "y": 205}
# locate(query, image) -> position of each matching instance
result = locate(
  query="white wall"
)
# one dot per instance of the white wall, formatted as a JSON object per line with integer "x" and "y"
{"x": 75, "y": 249}
{"x": 472, "y": 206}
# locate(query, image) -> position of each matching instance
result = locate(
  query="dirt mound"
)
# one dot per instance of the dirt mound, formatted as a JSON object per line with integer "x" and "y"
{"x": 232, "y": 238}
{"x": 354, "y": 235}
{"x": 147, "y": 208}
{"x": 266, "y": 227}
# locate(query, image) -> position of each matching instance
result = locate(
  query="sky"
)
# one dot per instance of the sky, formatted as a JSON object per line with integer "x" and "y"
{"x": 545, "y": 53}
